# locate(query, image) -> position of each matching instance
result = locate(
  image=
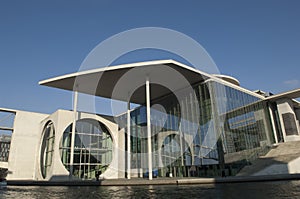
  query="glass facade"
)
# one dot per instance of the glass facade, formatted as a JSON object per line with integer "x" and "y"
{"x": 7, "y": 119}
{"x": 92, "y": 150}
{"x": 212, "y": 131}
{"x": 4, "y": 151}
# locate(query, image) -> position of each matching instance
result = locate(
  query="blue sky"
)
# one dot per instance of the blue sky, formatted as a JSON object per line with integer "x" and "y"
{"x": 257, "y": 42}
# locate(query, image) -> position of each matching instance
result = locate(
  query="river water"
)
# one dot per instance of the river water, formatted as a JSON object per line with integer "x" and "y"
{"x": 271, "y": 190}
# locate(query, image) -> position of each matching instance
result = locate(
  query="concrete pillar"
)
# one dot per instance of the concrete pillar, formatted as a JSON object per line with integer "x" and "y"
{"x": 273, "y": 124}
{"x": 128, "y": 142}
{"x": 73, "y": 132}
{"x": 149, "y": 129}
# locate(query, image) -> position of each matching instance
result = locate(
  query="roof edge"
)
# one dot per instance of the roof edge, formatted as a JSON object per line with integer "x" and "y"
{"x": 105, "y": 68}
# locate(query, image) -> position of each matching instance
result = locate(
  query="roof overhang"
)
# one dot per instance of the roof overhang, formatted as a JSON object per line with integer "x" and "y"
{"x": 292, "y": 94}
{"x": 127, "y": 82}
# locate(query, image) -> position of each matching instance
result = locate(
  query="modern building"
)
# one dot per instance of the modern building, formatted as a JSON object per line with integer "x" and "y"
{"x": 179, "y": 122}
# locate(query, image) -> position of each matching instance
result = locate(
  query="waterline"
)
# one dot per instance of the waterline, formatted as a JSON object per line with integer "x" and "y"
{"x": 277, "y": 189}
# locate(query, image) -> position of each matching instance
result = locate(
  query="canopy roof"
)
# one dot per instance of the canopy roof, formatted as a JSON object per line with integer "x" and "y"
{"x": 292, "y": 94}
{"x": 128, "y": 80}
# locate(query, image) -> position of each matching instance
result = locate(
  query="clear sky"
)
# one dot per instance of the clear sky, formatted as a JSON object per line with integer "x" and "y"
{"x": 257, "y": 42}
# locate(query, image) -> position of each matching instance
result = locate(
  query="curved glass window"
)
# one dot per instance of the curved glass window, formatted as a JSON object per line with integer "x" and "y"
{"x": 92, "y": 148}
{"x": 47, "y": 148}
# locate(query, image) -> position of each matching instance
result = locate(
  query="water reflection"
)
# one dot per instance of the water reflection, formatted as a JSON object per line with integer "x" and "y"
{"x": 279, "y": 189}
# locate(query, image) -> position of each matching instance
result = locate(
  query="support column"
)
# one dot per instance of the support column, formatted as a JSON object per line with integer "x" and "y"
{"x": 75, "y": 96}
{"x": 273, "y": 124}
{"x": 149, "y": 129}
{"x": 128, "y": 142}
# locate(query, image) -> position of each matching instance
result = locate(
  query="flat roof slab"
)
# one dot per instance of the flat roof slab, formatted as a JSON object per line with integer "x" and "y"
{"x": 124, "y": 82}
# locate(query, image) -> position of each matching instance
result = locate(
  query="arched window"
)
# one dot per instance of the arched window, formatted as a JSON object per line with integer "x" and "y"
{"x": 47, "y": 148}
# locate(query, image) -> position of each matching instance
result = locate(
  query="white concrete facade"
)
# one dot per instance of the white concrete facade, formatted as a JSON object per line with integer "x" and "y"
{"x": 22, "y": 164}
{"x": 285, "y": 106}
{"x": 25, "y": 153}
